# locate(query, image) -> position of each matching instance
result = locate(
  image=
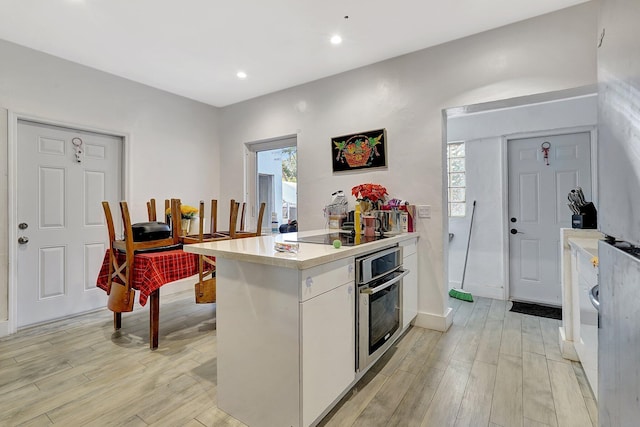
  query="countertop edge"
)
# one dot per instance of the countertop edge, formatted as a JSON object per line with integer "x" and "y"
{"x": 290, "y": 260}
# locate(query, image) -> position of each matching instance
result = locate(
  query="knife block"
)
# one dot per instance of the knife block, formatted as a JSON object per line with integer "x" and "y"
{"x": 588, "y": 217}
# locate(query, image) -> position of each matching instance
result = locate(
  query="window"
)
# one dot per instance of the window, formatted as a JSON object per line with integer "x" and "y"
{"x": 457, "y": 180}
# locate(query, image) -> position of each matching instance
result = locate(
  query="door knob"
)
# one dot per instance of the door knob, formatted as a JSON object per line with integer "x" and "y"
{"x": 514, "y": 231}
{"x": 513, "y": 220}
{"x": 23, "y": 240}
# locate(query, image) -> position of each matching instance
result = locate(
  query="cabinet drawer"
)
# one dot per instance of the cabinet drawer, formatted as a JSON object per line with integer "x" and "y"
{"x": 409, "y": 247}
{"x": 586, "y": 270}
{"x": 322, "y": 278}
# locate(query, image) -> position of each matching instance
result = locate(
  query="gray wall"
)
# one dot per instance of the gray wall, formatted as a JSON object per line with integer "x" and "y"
{"x": 4, "y": 223}
{"x": 173, "y": 142}
{"x": 406, "y": 95}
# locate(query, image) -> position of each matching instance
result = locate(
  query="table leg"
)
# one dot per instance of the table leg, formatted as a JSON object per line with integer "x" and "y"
{"x": 117, "y": 321}
{"x": 154, "y": 319}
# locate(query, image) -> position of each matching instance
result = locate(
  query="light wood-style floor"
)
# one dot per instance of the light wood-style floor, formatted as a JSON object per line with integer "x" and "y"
{"x": 492, "y": 368}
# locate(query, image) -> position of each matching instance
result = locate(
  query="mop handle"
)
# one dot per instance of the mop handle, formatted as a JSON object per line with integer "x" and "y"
{"x": 466, "y": 255}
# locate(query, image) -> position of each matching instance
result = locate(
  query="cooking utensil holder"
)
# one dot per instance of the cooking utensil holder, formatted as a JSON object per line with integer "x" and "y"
{"x": 588, "y": 217}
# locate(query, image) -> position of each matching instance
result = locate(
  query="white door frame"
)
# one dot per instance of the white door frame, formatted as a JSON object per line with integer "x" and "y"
{"x": 12, "y": 188}
{"x": 250, "y": 165}
{"x": 593, "y": 131}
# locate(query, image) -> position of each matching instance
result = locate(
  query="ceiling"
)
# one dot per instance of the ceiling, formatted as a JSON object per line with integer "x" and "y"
{"x": 194, "y": 48}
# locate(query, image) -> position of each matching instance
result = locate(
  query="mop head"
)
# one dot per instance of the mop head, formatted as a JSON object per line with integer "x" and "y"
{"x": 461, "y": 295}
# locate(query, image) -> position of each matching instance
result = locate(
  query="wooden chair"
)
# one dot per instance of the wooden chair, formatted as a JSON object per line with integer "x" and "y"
{"x": 239, "y": 234}
{"x": 244, "y": 205}
{"x": 205, "y": 289}
{"x": 121, "y": 294}
{"x": 151, "y": 210}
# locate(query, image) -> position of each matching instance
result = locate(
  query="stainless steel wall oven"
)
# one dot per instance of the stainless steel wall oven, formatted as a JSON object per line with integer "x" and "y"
{"x": 379, "y": 308}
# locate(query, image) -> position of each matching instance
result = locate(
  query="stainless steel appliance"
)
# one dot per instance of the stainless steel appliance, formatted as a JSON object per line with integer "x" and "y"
{"x": 390, "y": 222}
{"x": 619, "y": 210}
{"x": 346, "y": 238}
{"x": 379, "y": 308}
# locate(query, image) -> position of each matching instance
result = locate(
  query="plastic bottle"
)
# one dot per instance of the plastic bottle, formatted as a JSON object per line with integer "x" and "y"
{"x": 356, "y": 223}
{"x": 274, "y": 222}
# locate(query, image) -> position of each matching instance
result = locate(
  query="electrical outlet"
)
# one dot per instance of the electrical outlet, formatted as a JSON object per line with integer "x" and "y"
{"x": 424, "y": 211}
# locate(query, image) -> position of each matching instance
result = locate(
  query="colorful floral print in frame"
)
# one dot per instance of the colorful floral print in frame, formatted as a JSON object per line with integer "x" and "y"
{"x": 361, "y": 150}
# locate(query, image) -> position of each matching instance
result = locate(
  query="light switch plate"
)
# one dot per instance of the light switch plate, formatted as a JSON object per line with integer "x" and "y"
{"x": 424, "y": 211}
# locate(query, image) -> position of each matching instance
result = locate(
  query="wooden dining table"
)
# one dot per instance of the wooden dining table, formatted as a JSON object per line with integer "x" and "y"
{"x": 151, "y": 270}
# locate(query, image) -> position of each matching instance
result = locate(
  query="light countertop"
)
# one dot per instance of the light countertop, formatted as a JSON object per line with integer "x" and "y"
{"x": 260, "y": 250}
{"x": 586, "y": 245}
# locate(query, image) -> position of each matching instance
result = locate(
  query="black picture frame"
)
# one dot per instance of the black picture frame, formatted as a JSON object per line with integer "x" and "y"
{"x": 362, "y": 150}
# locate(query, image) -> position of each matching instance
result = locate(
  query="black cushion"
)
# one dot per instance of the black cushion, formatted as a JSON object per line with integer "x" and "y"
{"x": 147, "y": 231}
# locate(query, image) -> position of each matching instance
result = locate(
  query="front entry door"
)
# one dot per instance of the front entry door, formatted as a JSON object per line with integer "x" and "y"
{"x": 538, "y": 209}
{"x": 61, "y": 226}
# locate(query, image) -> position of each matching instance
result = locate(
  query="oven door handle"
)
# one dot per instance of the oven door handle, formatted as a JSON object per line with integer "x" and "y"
{"x": 385, "y": 285}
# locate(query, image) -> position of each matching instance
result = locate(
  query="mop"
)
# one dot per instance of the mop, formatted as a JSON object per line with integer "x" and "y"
{"x": 460, "y": 293}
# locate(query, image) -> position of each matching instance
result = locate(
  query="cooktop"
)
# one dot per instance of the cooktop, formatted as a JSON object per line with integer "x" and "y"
{"x": 346, "y": 238}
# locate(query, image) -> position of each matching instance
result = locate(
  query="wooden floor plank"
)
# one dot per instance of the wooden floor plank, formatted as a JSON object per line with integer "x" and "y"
{"x": 415, "y": 402}
{"x": 71, "y": 372}
{"x": 538, "y": 405}
{"x": 383, "y": 405}
{"x": 497, "y": 310}
{"x": 356, "y": 400}
{"x": 445, "y": 404}
{"x": 461, "y": 316}
{"x": 476, "y": 404}
{"x": 549, "y": 329}
{"x": 506, "y": 406}
{"x": 511, "y": 343}
{"x": 468, "y": 346}
{"x": 444, "y": 347}
{"x": 532, "y": 335}
{"x": 214, "y": 417}
{"x": 490, "y": 339}
{"x": 571, "y": 408}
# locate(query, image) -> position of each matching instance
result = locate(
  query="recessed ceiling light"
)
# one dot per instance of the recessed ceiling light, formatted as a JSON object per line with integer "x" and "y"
{"x": 241, "y": 75}
{"x": 336, "y": 39}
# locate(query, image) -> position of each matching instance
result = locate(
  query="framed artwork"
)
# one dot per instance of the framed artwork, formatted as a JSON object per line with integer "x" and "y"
{"x": 361, "y": 150}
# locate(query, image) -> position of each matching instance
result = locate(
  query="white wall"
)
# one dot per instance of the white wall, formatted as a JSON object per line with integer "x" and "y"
{"x": 173, "y": 141}
{"x": 406, "y": 95}
{"x": 485, "y": 161}
{"x": 484, "y": 185}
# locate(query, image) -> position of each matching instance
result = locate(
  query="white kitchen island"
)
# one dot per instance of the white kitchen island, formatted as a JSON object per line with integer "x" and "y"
{"x": 286, "y": 325}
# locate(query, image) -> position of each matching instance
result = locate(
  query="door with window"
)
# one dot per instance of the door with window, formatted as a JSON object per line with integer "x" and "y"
{"x": 272, "y": 179}
{"x": 63, "y": 176}
{"x": 538, "y": 188}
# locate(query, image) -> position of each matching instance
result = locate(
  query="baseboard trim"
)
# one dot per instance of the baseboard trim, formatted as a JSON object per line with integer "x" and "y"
{"x": 434, "y": 321}
{"x": 4, "y": 328}
{"x": 567, "y": 348}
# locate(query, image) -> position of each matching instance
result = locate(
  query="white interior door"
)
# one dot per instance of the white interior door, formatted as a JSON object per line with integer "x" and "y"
{"x": 60, "y": 213}
{"x": 538, "y": 209}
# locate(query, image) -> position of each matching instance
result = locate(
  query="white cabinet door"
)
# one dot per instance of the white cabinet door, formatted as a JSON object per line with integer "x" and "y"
{"x": 328, "y": 349}
{"x": 410, "y": 289}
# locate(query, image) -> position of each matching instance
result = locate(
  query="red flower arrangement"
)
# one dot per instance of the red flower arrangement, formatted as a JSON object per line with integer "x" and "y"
{"x": 373, "y": 193}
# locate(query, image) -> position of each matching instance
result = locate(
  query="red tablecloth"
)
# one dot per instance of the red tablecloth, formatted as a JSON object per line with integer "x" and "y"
{"x": 152, "y": 270}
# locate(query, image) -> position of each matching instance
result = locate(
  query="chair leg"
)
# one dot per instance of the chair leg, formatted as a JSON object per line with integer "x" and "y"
{"x": 117, "y": 321}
